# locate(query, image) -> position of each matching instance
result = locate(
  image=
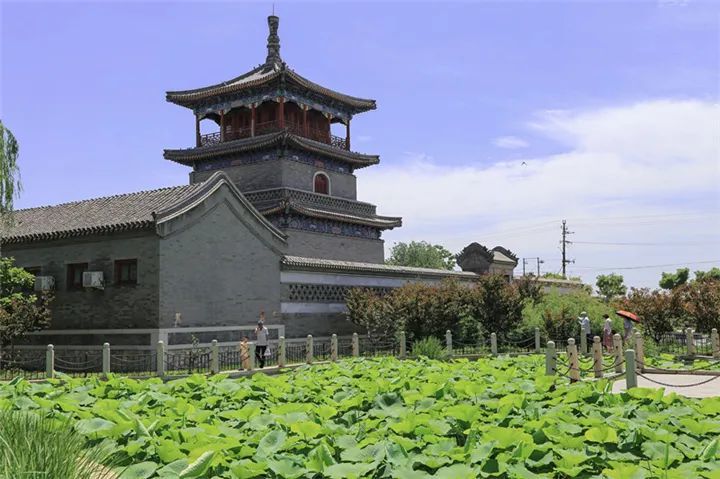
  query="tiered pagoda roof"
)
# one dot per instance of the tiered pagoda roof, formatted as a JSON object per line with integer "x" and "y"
{"x": 275, "y": 74}
{"x": 281, "y": 138}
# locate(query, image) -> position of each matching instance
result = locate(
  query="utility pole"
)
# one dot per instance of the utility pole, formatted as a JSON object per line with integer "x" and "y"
{"x": 565, "y": 242}
{"x": 537, "y": 260}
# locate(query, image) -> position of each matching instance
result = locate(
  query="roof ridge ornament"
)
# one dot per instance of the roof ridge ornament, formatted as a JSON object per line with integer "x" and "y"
{"x": 273, "y": 41}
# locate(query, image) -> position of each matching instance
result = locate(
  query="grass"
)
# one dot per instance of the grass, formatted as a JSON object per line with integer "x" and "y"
{"x": 37, "y": 447}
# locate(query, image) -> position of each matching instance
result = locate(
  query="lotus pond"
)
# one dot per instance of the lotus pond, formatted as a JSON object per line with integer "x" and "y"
{"x": 385, "y": 418}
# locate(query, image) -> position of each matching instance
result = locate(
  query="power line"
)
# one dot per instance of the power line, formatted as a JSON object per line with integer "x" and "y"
{"x": 608, "y": 243}
{"x": 592, "y": 268}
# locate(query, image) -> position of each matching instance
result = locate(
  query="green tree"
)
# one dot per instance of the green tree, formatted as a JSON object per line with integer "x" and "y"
{"x": 9, "y": 177}
{"x": 21, "y": 310}
{"x": 610, "y": 285}
{"x": 713, "y": 273}
{"x": 660, "y": 311}
{"x": 673, "y": 280}
{"x": 421, "y": 254}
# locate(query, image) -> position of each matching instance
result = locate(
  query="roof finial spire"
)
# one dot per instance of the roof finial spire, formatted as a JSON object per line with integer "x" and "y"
{"x": 273, "y": 42}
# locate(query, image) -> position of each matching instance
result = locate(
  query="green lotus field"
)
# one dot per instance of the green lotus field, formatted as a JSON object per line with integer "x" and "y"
{"x": 386, "y": 418}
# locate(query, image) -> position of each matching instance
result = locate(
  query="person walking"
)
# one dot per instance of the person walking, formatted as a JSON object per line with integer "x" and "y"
{"x": 607, "y": 333}
{"x": 585, "y": 326}
{"x": 261, "y": 343}
{"x": 629, "y": 327}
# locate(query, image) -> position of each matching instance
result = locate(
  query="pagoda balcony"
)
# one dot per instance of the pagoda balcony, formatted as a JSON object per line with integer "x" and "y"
{"x": 264, "y": 128}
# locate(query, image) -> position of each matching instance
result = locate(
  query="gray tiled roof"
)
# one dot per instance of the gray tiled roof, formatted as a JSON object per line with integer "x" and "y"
{"x": 131, "y": 211}
{"x": 337, "y": 265}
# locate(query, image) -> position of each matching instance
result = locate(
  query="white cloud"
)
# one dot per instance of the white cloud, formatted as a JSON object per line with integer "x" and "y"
{"x": 510, "y": 142}
{"x": 659, "y": 160}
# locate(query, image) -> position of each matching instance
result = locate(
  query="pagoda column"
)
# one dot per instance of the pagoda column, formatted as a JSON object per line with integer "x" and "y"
{"x": 305, "y": 123}
{"x": 198, "y": 140}
{"x": 281, "y": 112}
{"x": 222, "y": 125}
{"x": 252, "y": 120}
{"x": 347, "y": 135}
{"x": 329, "y": 134}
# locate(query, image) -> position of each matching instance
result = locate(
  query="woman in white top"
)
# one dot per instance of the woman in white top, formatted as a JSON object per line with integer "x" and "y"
{"x": 261, "y": 343}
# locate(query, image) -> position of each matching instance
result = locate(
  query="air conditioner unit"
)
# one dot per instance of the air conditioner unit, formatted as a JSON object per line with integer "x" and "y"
{"x": 44, "y": 283}
{"x": 93, "y": 279}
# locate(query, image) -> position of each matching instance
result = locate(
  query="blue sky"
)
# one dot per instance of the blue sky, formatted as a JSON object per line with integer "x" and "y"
{"x": 613, "y": 107}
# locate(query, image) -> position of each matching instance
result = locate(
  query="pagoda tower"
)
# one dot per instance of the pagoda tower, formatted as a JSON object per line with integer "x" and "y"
{"x": 274, "y": 141}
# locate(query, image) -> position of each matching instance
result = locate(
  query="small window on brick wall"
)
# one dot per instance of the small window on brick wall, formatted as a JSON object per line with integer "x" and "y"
{"x": 75, "y": 275}
{"x": 322, "y": 184}
{"x": 126, "y": 271}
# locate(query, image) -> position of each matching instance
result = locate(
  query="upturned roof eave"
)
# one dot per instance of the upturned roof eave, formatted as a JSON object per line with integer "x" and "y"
{"x": 375, "y": 221}
{"x": 190, "y": 98}
{"x": 189, "y": 155}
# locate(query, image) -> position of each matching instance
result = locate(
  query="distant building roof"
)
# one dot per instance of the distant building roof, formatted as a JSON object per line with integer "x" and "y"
{"x": 282, "y": 138}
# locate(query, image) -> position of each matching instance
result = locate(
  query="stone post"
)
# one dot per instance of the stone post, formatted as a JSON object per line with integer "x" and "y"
{"x": 639, "y": 352}
{"x": 630, "y": 371}
{"x": 214, "y": 357}
{"x": 309, "y": 349}
{"x": 448, "y": 343}
{"x": 251, "y": 358}
{"x": 618, "y": 348}
{"x": 50, "y": 362}
{"x": 493, "y": 344}
{"x": 690, "y": 339}
{"x": 715, "y": 339}
{"x": 597, "y": 357}
{"x": 537, "y": 340}
{"x": 333, "y": 348}
{"x": 355, "y": 345}
{"x": 574, "y": 360}
{"x": 550, "y": 359}
{"x": 282, "y": 354}
{"x": 160, "y": 361}
{"x": 403, "y": 351}
{"x": 106, "y": 360}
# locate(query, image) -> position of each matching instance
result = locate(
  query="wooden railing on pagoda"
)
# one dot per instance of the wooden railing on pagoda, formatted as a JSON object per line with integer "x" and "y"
{"x": 323, "y": 136}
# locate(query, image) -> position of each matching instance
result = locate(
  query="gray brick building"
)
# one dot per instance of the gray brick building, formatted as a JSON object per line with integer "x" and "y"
{"x": 270, "y": 222}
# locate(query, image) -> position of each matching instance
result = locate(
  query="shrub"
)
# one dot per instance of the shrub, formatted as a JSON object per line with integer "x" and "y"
{"x": 557, "y": 315}
{"x": 430, "y": 347}
{"x": 36, "y": 447}
{"x": 422, "y": 310}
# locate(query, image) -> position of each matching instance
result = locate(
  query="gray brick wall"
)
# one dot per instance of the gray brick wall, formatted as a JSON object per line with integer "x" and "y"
{"x": 300, "y": 175}
{"x": 319, "y": 245}
{"x": 117, "y": 306}
{"x": 299, "y": 325}
{"x": 276, "y": 173}
{"x": 255, "y": 176}
{"x": 218, "y": 268}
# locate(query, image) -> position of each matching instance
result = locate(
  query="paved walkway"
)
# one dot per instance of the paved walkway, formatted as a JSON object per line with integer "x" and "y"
{"x": 710, "y": 389}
